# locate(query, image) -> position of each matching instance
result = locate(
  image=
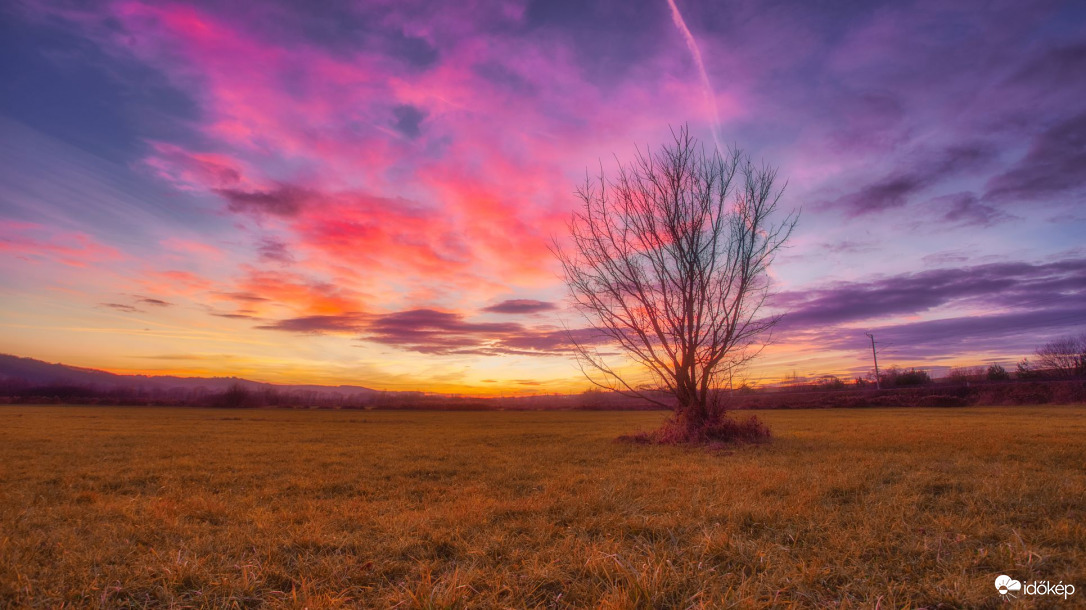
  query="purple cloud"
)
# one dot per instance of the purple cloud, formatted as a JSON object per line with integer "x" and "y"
{"x": 129, "y": 308}
{"x": 342, "y": 323}
{"x": 519, "y": 306}
{"x": 847, "y": 247}
{"x": 926, "y": 170}
{"x": 428, "y": 331}
{"x": 408, "y": 120}
{"x": 435, "y": 332}
{"x": 1012, "y": 333}
{"x": 1009, "y": 285}
{"x": 234, "y": 316}
{"x": 246, "y": 297}
{"x": 555, "y": 341}
{"x": 1054, "y": 165}
{"x": 964, "y": 209}
{"x": 284, "y": 200}
{"x": 276, "y": 251}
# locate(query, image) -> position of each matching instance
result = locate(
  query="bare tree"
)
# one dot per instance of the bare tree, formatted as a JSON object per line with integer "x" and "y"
{"x": 668, "y": 260}
{"x": 1065, "y": 356}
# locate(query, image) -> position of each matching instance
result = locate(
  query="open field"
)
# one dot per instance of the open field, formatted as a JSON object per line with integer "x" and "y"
{"x": 891, "y": 508}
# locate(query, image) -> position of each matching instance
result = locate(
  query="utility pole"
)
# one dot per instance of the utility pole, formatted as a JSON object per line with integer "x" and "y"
{"x": 874, "y": 356}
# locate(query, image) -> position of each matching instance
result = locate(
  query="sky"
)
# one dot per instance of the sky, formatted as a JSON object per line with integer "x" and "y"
{"x": 365, "y": 192}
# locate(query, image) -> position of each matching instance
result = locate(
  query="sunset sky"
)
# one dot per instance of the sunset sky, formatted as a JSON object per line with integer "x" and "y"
{"x": 364, "y": 193}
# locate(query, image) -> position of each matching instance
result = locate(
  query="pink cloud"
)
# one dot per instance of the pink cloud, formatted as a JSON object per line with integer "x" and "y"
{"x": 190, "y": 247}
{"x": 37, "y": 243}
{"x": 303, "y": 138}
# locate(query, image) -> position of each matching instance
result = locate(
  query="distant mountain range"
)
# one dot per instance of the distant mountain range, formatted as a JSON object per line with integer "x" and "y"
{"x": 30, "y": 381}
{"x": 28, "y": 372}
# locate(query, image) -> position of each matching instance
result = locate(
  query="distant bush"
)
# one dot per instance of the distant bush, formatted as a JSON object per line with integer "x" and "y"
{"x": 235, "y": 397}
{"x": 997, "y": 373}
{"x": 1025, "y": 370}
{"x": 894, "y": 377}
{"x": 1064, "y": 357}
{"x": 831, "y": 382}
{"x": 963, "y": 375}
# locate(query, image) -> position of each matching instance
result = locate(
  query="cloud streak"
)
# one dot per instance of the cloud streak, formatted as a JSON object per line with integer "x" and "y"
{"x": 695, "y": 53}
{"x": 428, "y": 331}
{"x": 520, "y": 306}
{"x": 1036, "y": 286}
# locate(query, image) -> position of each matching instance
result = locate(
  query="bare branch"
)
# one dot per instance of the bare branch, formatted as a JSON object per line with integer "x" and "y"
{"x": 669, "y": 261}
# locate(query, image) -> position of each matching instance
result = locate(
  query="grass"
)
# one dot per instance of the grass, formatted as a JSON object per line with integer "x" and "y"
{"x": 887, "y": 508}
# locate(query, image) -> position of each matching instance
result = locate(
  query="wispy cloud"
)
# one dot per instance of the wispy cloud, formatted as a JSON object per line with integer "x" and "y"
{"x": 1037, "y": 287}
{"x": 520, "y": 306}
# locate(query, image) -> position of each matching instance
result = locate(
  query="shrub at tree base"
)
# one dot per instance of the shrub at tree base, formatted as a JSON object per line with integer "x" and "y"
{"x": 725, "y": 430}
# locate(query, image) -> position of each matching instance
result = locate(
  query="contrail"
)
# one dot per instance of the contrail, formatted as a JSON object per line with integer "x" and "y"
{"x": 692, "y": 44}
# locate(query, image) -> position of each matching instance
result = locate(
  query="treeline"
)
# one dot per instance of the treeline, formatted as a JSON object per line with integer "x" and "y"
{"x": 945, "y": 392}
{"x": 240, "y": 396}
{"x": 236, "y": 396}
{"x": 929, "y": 395}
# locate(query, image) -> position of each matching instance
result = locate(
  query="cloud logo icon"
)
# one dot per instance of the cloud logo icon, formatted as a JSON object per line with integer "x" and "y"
{"x": 1005, "y": 584}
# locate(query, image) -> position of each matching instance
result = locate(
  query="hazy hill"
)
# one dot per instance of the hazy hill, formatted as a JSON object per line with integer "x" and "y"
{"x": 29, "y": 372}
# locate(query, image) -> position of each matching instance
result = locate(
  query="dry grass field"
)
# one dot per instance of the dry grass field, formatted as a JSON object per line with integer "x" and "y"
{"x": 878, "y": 508}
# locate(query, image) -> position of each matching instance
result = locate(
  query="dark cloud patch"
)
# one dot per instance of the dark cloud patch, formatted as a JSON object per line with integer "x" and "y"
{"x": 415, "y": 51}
{"x": 866, "y": 121}
{"x": 848, "y": 247}
{"x": 408, "y": 120}
{"x": 1056, "y": 67}
{"x": 500, "y": 75}
{"x": 246, "y": 297}
{"x": 342, "y": 323}
{"x": 938, "y": 259}
{"x": 1033, "y": 287}
{"x": 235, "y": 316}
{"x": 520, "y": 306}
{"x": 435, "y": 332}
{"x": 964, "y": 209}
{"x": 554, "y": 341}
{"x": 926, "y": 169}
{"x": 66, "y": 86}
{"x": 273, "y": 250}
{"x": 958, "y": 159}
{"x": 429, "y": 331}
{"x": 1013, "y": 333}
{"x": 284, "y": 200}
{"x": 890, "y": 192}
{"x": 611, "y": 37}
{"x": 1054, "y": 165}
{"x": 130, "y": 308}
